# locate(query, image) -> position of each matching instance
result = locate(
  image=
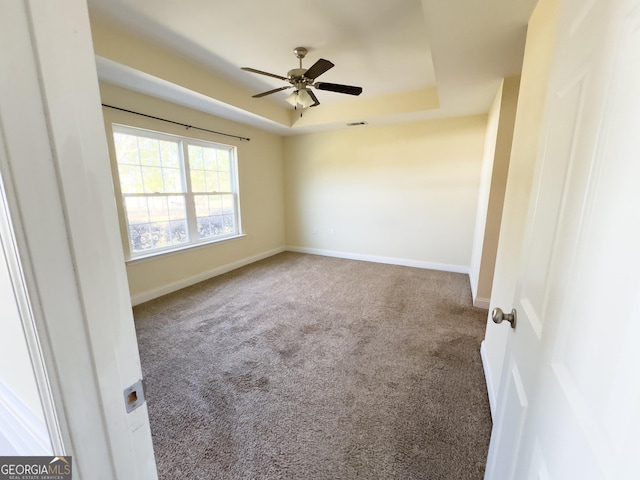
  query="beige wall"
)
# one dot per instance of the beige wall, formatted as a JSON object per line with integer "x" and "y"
{"x": 495, "y": 168}
{"x": 403, "y": 193}
{"x": 484, "y": 191}
{"x": 260, "y": 167}
{"x": 533, "y": 90}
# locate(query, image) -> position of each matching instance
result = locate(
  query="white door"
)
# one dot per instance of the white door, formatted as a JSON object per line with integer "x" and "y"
{"x": 570, "y": 388}
{"x": 55, "y": 173}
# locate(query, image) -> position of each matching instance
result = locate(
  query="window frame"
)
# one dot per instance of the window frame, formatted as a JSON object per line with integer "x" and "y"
{"x": 193, "y": 240}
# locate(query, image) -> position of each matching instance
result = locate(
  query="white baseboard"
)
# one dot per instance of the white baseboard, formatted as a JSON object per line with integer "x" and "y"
{"x": 187, "y": 282}
{"x": 21, "y": 431}
{"x": 405, "y": 262}
{"x": 480, "y": 302}
{"x": 487, "y": 376}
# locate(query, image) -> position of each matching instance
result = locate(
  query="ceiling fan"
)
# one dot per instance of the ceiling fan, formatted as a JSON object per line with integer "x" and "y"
{"x": 301, "y": 79}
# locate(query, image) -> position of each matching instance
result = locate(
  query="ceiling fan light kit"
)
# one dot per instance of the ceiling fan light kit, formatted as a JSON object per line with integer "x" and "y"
{"x": 301, "y": 98}
{"x": 302, "y": 79}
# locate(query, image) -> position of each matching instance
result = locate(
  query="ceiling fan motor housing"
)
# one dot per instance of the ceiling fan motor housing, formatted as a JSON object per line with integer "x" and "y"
{"x": 296, "y": 73}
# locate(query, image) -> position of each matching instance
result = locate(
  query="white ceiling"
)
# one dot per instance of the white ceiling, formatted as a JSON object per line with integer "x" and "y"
{"x": 389, "y": 47}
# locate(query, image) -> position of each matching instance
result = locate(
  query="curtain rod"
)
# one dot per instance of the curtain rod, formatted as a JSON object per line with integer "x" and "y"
{"x": 176, "y": 123}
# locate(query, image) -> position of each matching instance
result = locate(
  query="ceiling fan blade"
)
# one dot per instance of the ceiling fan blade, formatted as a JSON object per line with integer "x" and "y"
{"x": 316, "y": 102}
{"x": 264, "y": 73}
{"x": 263, "y": 94}
{"x": 336, "y": 87}
{"x": 318, "y": 68}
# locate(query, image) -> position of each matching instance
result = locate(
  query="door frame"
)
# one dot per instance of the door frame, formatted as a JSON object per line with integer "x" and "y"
{"x": 59, "y": 193}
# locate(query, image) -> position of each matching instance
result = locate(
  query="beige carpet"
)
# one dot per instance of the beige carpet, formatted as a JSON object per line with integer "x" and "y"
{"x": 308, "y": 367}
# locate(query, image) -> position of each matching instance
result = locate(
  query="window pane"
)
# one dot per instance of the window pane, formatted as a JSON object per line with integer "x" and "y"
{"x": 204, "y": 230}
{"x": 126, "y": 149}
{"x": 195, "y": 157}
{"x": 202, "y": 206}
{"x": 149, "y": 151}
{"x": 156, "y": 222}
{"x": 223, "y": 161}
{"x": 165, "y": 234}
{"x": 227, "y": 204}
{"x": 160, "y": 234}
{"x": 215, "y": 204}
{"x": 169, "y": 154}
{"x": 209, "y": 157}
{"x": 216, "y": 225}
{"x": 130, "y": 179}
{"x": 140, "y": 237}
{"x": 211, "y": 181}
{"x": 224, "y": 181}
{"x": 152, "y": 178}
{"x": 172, "y": 179}
{"x": 229, "y": 224}
{"x": 177, "y": 207}
{"x": 137, "y": 210}
{"x": 203, "y": 163}
{"x": 197, "y": 181}
{"x": 158, "y": 209}
{"x": 178, "y": 232}
{"x": 215, "y": 215}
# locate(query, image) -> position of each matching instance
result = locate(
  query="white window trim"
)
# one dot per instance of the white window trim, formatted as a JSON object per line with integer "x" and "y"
{"x": 179, "y": 249}
{"x": 188, "y": 194}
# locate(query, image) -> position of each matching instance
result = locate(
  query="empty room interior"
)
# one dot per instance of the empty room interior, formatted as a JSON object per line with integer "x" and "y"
{"x": 310, "y": 222}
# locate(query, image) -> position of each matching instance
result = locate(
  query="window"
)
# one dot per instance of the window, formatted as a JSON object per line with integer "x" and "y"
{"x": 176, "y": 191}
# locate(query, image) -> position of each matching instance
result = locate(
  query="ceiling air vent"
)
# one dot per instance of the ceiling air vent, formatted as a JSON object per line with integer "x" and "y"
{"x": 356, "y": 124}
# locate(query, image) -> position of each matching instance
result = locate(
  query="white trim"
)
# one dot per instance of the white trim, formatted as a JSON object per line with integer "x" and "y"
{"x": 487, "y": 376}
{"x": 405, "y": 262}
{"x": 482, "y": 302}
{"x": 478, "y": 302}
{"x": 24, "y": 431}
{"x": 473, "y": 282}
{"x": 9, "y": 248}
{"x": 201, "y": 277}
{"x": 55, "y": 143}
{"x": 165, "y": 253}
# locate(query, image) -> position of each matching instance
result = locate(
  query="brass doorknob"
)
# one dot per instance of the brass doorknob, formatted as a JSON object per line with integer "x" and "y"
{"x": 498, "y": 316}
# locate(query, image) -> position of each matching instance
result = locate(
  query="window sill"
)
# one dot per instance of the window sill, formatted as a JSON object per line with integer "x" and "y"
{"x": 180, "y": 249}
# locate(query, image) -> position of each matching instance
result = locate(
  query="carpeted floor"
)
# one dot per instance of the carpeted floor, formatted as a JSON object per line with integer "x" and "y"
{"x": 309, "y": 367}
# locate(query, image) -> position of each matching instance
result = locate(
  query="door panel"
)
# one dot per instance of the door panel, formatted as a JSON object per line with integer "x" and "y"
{"x": 575, "y": 344}
{"x": 512, "y": 422}
{"x": 538, "y": 468}
{"x": 555, "y": 169}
